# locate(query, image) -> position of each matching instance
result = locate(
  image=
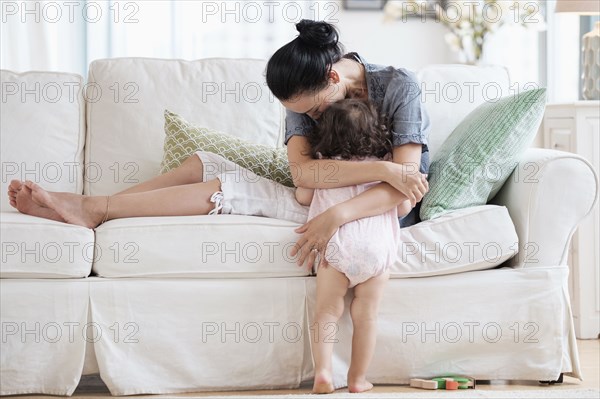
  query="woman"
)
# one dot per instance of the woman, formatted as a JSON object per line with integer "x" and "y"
{"x": 306, "y": 74}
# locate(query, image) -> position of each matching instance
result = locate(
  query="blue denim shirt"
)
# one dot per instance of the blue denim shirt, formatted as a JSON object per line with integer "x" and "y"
{"x": 396, "y": 93}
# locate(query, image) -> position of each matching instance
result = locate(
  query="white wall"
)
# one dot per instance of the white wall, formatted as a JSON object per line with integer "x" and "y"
{"x": 517, "y": 49}
{"x": 411, "y": 44}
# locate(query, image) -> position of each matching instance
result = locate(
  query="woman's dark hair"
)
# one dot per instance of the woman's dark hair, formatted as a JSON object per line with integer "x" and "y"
{"x": 303, "y": 65}
{"x": 350, "y": 128}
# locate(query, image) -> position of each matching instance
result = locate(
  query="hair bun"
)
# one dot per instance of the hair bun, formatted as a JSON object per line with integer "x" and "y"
{"x": 317, "y": 33}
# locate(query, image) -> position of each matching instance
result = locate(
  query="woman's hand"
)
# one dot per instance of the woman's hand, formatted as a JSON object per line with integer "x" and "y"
{"x": 316, "y": 234}
{"x": 410, "y": 182}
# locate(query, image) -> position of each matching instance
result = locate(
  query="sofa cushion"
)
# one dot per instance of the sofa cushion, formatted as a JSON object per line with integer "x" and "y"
{"x": 450, "y": 92}
{"x": 42, "y": 130}
{"x": 40, "y": 248}
{"x": 232, "y": 246}
{"x": 128, "y": 96}
{"x": 475, "y": 238}
{"x": 217, "y": 246}
{"x": 183, "y": 139}
{"x": 482, "y": 152}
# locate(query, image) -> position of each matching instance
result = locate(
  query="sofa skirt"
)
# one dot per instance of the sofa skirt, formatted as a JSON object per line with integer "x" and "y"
{"x": 184, "y": 335}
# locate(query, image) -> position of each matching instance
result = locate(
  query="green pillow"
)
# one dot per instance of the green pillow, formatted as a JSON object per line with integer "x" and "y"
{"x": 481, "y": 153}
{"x": 183, "y": 139}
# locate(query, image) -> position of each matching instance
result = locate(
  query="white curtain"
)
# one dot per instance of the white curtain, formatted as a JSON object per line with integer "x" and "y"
{"x": 38, "y": 35}
{"x": 563, "y": 53}
{"x": 67, "y": 36}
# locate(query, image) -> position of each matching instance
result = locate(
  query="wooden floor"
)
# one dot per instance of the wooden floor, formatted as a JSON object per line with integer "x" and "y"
{"x": 589, "y": 356}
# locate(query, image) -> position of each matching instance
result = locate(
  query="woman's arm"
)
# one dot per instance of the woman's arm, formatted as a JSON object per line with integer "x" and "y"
{"x": 306, "y": 172}
{"x": 375, "y": 201}
{"x": 382, "y": 197}
{"x": 328, "y": 173}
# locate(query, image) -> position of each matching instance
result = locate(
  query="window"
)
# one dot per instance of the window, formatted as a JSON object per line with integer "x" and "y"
{"x": 67, "y": 36}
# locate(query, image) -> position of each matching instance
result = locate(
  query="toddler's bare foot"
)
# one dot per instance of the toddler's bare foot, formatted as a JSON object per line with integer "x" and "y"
{"x": 20, "y": 197}
{"x": 358, "y": 385}
{"x": 323, "y": 382}
{"x": 73, "y": 208}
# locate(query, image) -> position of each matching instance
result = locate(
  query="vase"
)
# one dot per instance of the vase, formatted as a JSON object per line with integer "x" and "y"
{"x": 591, "y": 64}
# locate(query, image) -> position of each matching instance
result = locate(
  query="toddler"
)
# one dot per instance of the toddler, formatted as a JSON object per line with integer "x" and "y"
{"x": 360, "y": 252}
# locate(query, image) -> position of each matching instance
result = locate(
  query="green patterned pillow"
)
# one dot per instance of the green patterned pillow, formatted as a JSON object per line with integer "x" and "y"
{"x": 481, "y": 153}
{"x": 183, "y": 139}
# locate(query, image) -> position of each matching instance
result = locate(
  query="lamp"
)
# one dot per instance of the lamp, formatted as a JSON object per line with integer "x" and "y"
{"x": 591, "y": 45}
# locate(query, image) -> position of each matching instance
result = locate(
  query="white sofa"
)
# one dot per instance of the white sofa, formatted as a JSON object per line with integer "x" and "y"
{"x": 178, "y": 304}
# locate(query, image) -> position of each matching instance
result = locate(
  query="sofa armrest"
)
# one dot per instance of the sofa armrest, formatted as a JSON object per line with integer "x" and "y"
{"x": 548, "y": 194}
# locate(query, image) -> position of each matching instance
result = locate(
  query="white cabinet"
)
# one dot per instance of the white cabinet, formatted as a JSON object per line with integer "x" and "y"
{"x": 575, "y": 127}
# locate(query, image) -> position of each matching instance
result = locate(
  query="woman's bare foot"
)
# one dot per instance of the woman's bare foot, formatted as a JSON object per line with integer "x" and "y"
{"x": 20, "y": 198}
{"x": 73, "y": 208}
{"x": 13, "y": 188}
{"x": 358, "y": 385}
{"x": 323, "y": 382}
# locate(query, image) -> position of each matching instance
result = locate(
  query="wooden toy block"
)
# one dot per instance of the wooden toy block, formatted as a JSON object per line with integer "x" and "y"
{"x": 423, "y": 384}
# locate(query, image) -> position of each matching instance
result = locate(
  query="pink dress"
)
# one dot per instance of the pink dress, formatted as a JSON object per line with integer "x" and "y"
{"x": 363, "y": 248}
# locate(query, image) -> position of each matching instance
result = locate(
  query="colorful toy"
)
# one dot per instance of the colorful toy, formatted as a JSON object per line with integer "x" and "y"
{"x": 448, "y": 383}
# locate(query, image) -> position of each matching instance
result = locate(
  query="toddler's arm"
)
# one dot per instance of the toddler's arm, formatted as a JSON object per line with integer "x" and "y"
{"x": 304, "y": 196}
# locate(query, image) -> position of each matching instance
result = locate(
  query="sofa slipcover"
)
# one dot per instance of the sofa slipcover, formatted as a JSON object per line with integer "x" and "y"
{"x": 43, "y": 130}
{"x": 174, "y": 333}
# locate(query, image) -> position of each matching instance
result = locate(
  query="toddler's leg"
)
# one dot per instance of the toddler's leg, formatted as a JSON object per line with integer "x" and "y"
{"x": 363, "y": 310}
{"x": 404, "y": 208}
{"x": 331, "y": 289}
{"x": 304, "y": 196}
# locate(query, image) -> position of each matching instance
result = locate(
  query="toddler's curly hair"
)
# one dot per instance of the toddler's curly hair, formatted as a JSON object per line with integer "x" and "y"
{"x": 350, "y": 128}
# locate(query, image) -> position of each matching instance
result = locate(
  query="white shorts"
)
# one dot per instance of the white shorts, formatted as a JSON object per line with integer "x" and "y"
{"x": 245, "y": 193}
